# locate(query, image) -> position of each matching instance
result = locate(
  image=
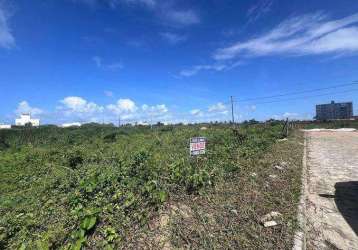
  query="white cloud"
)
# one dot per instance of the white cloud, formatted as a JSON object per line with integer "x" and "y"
{"x": 145, "y": 107}
{"x": 196, "y": 112}
{"x": 289, "y": 115}
{"x": 215, "y": 112}
{"x": 24, "y": 107}
{"x": 218, "y": 107}
{"x": 78, "y": 105}
{"x": 78, "y": 109}
{"x": 161, "y": 108}
{"x": 197, "y": 68}
{"x": 145, "y": 114}
{"x": 155, "y": 110}
{"x": 114, "y": 3}
{"x": 258, "y": 10}
{"x": 217, "y": 67}
{"x": 343, "y": 40}
{"x": 163, "y": 9}
{"x": 74, "y": 108}
{"x": 173, "y": 38}
{"x": 123, "y": 106}
{"x": 113, "y": 66}
{"x": 7, "y": 40}
{"x": 300, "y": 35}
{"x": 148, "y": 3}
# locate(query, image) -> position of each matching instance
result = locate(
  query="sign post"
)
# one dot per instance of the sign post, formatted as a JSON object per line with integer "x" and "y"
{"x": 197, "y": 146}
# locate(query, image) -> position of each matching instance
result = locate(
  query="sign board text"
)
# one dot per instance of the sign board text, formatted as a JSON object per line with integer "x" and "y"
{"x": 197, "y": 145}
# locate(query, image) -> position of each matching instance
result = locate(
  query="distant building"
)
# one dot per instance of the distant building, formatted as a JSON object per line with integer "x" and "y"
{"x": 143, "y": 123}
{"x": 26, "y": 119}
{"x": 5, "y": 126}
{"x": 74, "y": 124}
{"x": 333, "y": 111}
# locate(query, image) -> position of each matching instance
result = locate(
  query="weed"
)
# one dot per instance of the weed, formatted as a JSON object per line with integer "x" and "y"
{"x": 98, "y": 186}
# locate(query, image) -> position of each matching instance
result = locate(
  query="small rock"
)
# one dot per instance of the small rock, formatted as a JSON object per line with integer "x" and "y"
{"x": 234, "y": 211}
{"x": 253, "y": 174}
{"x": 164, "y": 220}
{"x": 278, "y": 167}
{"x": 270, "y": 223}
{"x": 270, "y": 216}
{"x": 284, "y": 164}
{"x": 284, "y": 139}
{"x": 273, "y": 176}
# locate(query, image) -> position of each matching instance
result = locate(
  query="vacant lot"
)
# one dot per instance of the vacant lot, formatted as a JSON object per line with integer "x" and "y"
{"x": 332, "y": 207}
{"x": 99, "y": 187}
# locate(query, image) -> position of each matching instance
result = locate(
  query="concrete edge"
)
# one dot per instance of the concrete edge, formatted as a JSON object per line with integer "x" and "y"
{"x": 300, "y": 234}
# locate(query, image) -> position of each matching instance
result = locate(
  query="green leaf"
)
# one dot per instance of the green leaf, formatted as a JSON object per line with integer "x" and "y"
{"x": 42, "y": 245}
{"x": 77, "y": 245}
{"x": 81, "y": 234}
{"x": 162, "y": 196}
{"x": 108, "y": 247}
{"x": 88, "y": 222}
{"x": 23, "y": 246}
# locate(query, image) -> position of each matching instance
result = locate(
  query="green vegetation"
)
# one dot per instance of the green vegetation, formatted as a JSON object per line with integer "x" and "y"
{"x": 228, "y": 215}
{"x": 334, "y": 124}
{"x": 99, "y": 187}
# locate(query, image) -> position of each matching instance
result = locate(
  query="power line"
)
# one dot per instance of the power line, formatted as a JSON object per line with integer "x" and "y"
{"x": 305, "y": 97}
{"x": 232, "y": 101}
{"x": 298, "y": 92}
{"x": 232, "y": 110}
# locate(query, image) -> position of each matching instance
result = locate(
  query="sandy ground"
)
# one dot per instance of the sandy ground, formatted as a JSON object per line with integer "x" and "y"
{"x": 332, "y": 190}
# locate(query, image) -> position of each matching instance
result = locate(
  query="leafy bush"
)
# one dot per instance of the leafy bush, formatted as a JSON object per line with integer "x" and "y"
{"x": 90, "y": 186}
{"x": 111, "y": 137}
{"x": 74, "y": 159}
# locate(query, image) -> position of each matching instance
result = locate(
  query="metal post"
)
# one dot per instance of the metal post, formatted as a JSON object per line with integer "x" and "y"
{"x": 232, "y": 110}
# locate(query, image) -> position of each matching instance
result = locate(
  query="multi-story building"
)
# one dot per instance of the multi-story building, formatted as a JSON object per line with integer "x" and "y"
{"x": 26, "y": 119}
{"x": 333, "y": 111}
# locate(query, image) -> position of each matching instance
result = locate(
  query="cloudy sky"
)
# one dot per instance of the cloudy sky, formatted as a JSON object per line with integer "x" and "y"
{"x": 173, "y": 61}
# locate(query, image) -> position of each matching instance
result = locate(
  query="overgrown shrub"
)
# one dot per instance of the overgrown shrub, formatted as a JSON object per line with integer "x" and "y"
{"x": 91, "y": 186}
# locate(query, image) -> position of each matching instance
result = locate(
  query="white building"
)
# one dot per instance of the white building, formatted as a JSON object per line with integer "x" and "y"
{"x": 26, "y": 119}
{"x": 5, "y": 126}
{"x": 74, "y": 124}
{"x": 143, "y": 123}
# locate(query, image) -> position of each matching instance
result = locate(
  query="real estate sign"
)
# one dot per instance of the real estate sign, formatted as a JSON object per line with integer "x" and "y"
{"x": 197, "y": 145}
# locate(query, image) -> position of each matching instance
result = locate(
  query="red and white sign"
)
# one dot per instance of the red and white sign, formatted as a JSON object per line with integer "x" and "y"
{"x": 197, "y": 145}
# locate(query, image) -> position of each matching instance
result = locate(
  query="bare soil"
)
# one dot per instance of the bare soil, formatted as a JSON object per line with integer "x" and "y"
{"x": 332, "y": 195}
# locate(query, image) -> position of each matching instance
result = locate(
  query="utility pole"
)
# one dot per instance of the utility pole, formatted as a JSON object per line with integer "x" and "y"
{"x": 119, "y": 121}
{"x": 232, "y": 110}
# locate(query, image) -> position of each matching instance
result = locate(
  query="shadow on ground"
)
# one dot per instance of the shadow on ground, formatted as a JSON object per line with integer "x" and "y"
{"x": 346, "y": 198}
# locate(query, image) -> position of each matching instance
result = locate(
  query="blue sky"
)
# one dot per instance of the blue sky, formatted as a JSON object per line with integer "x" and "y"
{"x": 171, "y": 61}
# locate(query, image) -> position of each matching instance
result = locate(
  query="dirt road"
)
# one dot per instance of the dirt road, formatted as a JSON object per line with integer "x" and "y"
{"x": 332, "y": 190}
